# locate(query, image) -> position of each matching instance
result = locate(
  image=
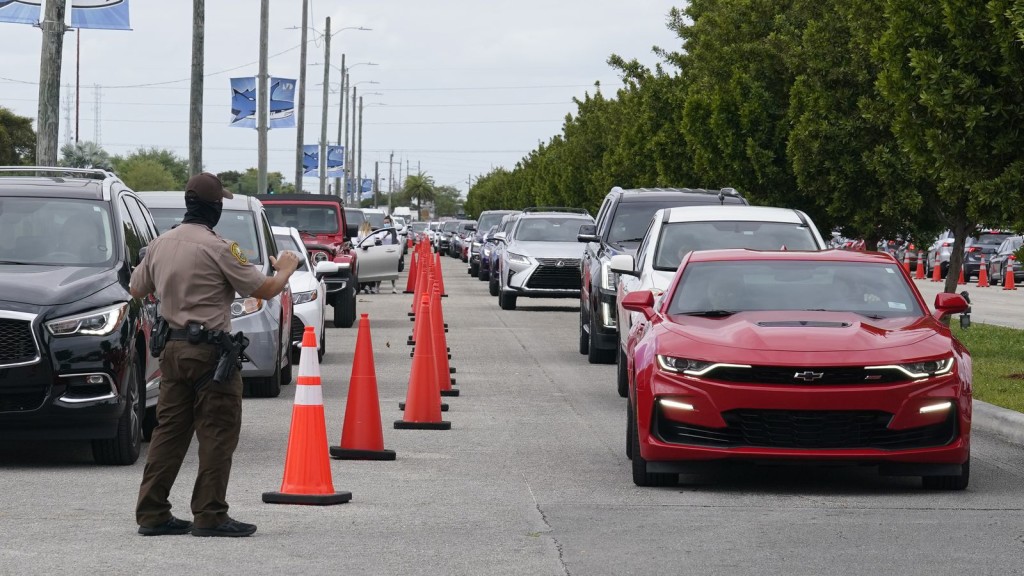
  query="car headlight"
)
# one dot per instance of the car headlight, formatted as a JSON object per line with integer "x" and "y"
{"x": 517, "y": 258}
{"x": 607, "y": 277}
{"x": 477, "y": 244}
{"x": 319, "y": 257}
{"x": 245, "y": 306}
{"x": 96, "y": 323}
{"x": 689, "y": 367}
{"x": 926, "y": 369}
{"x": 303, "y": 297}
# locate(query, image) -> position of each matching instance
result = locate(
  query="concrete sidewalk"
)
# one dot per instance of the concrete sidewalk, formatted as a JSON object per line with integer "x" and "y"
{"x": 991, "y": 305}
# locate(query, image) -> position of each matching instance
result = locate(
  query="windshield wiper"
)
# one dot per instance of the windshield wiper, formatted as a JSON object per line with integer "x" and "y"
{"x": 13, "y": 262}
{"x": 710, "y": 313}
{"x": 872, "y": 316}
{"x": 630, "y": 240}
{"x": 306, "y": 232}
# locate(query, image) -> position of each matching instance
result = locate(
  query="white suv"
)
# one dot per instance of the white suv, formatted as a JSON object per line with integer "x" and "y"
{"x": 674, "y": 232}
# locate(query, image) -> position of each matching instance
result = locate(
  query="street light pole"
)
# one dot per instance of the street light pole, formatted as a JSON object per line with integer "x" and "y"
{"x": 323, "y": 119}
{"x": 352, "y": 141}
{"x": 341, "y": 112}
{"x": 359, "y": 164}
{"x": 262, "y": 80}
{"x": 300, "y": 121}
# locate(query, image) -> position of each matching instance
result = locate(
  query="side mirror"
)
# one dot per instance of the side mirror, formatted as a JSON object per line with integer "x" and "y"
{"x": 946, "y": 304}
{"x": 623, "y": 264}
{"x": 471, "y": 228}
{"x": 499, "y": 236}
{"x": 378, "y": 242}
{"x": 588, "y": 233}
{"x": 640, "y": 301}
{"x": 326, "y": 269}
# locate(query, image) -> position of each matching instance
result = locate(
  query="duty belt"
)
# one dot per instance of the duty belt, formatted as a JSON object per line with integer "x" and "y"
{"x": 205, "y": 337}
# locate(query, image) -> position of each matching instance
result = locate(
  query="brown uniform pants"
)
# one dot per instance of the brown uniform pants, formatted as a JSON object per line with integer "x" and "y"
{"x": 214, "y": 414}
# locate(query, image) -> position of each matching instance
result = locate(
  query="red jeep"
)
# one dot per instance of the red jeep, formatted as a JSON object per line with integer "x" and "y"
{"x": 327, "y": 233}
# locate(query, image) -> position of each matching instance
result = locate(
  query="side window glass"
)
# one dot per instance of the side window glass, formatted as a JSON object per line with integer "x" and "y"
{"x": 641, "y": 252}
{"x": 138, "y": 218}
{"x": 131, "y": 237}
{"x": 603, "y": 216}
{"x": 271, "y": 243}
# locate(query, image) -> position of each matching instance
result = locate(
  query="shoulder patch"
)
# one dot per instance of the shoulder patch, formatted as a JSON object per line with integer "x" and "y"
{"x": 236, "y": 251}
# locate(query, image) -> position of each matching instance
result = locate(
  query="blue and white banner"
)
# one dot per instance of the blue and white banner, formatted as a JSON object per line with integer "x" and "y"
{"x": 243, "y": 102}
{"x": 102, "y": 14}
{"x": 335, "y": 161}
{"x": 282, "y": 102}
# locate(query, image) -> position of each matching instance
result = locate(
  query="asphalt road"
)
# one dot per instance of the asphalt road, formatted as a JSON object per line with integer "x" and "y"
{"x": 991, "y": 305}
{"x": 531, "y": 480}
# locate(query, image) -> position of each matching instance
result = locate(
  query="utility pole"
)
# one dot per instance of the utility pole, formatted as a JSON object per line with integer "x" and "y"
{"x": 391, "y": 178}
{"x": 341, "y": 113}
{"x": 347, "y": 147}
{"x": 48, "y": 118}
{"x": 97, "y": 113}
{"x": 195, "y": 108}
{"x": 300, "y": 121}
{"x": 78, "y": 77}
{"x": 359, "y": 163}
{"x": 376, "y": 195}
{"x": 261, "y": 100}
{"x": 323, "y": 116}
{"x": 351, "y": 154}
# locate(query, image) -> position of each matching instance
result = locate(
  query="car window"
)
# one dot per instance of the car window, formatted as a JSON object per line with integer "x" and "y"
{"x": 678, "y": 238}
{"x": 602, "y": 214}
{"x": 57, "y": 232}
{"x": 870, "y": 289}
{"x": 235, "y": 226}
{"x": 138, "y": 218}
{"x": 384, "y": 235}
{"x": 641, "y": 252}
{"x": 285, "y": 242}
{"x": 269, "y": 235}
{"x": 313, "y": 218}
{"x": 132, "y": 240}
{"x": 631, "y": 219}
{"x": 549, "y": 229}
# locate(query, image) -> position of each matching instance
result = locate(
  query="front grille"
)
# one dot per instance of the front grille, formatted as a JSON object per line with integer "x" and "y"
{"x": 806, "y": 376}
{"x": 807, "y": 429}
{"x": 298, "y": 328}
{"x": 550, "y": 276}
{"x": 16, "y": 342}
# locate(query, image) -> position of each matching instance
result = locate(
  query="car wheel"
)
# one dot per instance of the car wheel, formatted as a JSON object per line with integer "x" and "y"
{"x": 596, "y": 355}
{"x": 641, "y": 477}
{"x": 124, "y": 448}
{"x": 584, "y": 338}
{"x": 345, "y": 308}
{"x": 401, "y": 264}
{"x": 286, "y": 375}
{"x": 322, "y": 348}
{"x": 268, "y": 387}
{"x": 483, "y": 274}
{"x": 492, "y": 286}
{"x": 622, "y": 374}
{"x": 955, "y": 482}
{"x": 474, "y": 269}
{"x": 507, "y": 300}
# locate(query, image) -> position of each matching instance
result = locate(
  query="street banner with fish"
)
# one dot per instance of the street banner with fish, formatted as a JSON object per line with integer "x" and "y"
{"x": 243, "y": 102}
{"x": 282, "y": 102}
{"x": 335, "y": 161}
{"x": 102, "y": 14}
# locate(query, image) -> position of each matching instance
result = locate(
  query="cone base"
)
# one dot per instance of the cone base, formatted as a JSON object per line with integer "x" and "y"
{"x": 452, "y": 392}
{"x": 403, "y": 425}
{"x": 408, "y": 291}
{"x": 307, "y": 499}
{"x": 444, "y": 406}
{"x": 451, "y": 369}
{"x": 339, "y": 453}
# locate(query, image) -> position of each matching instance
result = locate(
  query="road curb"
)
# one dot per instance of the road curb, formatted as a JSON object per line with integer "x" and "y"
{"x": 1005, "y": 423}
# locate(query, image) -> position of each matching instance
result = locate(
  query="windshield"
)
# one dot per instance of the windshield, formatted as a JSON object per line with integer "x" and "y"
{"x": 418, "y": 226}
{"x": 312, "y": 218}
{"x": 873, "y": 290}
{"x": 549, "y": 229}
{"x": 632, "y": 219}
{"x": 678, "y": 238}
{"x": 234, "y": 225}
{"x": 376, "y": 219}
{"x": 286, "y": 242}
{"x": 450, "y": 226}
{"x": 55, "y": 232}
{"x": 488, "y": 219}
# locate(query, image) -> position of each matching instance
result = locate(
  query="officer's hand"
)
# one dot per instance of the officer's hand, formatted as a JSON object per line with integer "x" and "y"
{"x": 285, "y": 262}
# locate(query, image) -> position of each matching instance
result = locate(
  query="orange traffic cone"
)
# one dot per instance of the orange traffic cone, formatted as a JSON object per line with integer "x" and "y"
{"x": 423, "y": 398}
{"x": 906, "y": 261}
{"x": 440, "y": 345}
{"x": 307, "y": 470}
{"x": 1009, "y": 283}
{"x": 937, "y": 273}
{"x": 410, "y": 282}
{"x": 440, "y": 277}
{"x": 420, "y": 331}
{"x": 919, "y": 273}
{"x": 983, "y": 274}
{"x": 960, "y": 281}
{"x": 361, "y": 435}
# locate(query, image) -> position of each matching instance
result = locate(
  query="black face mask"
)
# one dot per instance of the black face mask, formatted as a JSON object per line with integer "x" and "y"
{"x": 202, "y": 212}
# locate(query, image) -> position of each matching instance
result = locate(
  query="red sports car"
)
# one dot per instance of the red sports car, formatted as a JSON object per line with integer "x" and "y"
{"x": 828, "y": 357}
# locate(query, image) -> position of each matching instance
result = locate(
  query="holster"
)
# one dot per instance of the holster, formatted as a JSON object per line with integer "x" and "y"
{"x": 158, "y": 336}
{"x": 231, "y": 348}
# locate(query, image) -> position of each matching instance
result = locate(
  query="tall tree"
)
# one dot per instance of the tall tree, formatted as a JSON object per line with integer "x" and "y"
{"x": 17, "y": 139}
{"x": 419, "y": 187}
{"x": 953, "y": 72}
{"x": 176, "y": 166}
{"x": 84, "y": 154}
{"x": 143, "y": 174}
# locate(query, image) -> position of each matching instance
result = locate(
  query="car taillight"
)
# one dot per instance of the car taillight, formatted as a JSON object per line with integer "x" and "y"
{"x": 974, "y": 249}
{"x": 1012, "y": 257}
{"x": 947, "y": 244}
{"x": 911, "y": 247}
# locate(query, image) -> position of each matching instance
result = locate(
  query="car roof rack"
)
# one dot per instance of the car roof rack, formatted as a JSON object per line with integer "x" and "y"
{"x": 60, "y": 171}
{"x": 555, "y": 209}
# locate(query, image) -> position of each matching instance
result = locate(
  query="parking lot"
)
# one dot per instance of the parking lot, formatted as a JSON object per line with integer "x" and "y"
{"x": 531, "y": 479}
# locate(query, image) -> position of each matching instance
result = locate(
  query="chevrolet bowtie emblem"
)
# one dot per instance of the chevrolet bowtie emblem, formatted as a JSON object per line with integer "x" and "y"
{"x": 808, "y": 376}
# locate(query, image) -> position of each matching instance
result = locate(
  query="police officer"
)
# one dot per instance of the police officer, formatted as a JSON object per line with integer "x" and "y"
{"x": 195, "y": 273}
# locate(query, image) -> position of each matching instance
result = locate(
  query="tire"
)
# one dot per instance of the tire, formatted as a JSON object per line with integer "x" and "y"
{"x": 401, "y": 264}
{"x": 957, "y": 482}
{"x": 622, "y": 374}
{"x": 474, "y": 269}
{"x": 124, "y": 448}
{"x": 584, "y": 338}
{"x": 630, "y": 426}
{"x": 322, "y": 348}
{"x": 345, "y": 309}
{"x": 507, "y": 300}
{"x": 483, "y": 274}
{"x": 286, "y": 375}
{"x": 641, "y": 477}
{"x": 594, "y": 354}
{"x": 268, "y": 387}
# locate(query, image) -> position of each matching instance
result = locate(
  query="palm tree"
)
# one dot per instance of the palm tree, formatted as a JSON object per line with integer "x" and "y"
{"x": 84, "y": 155}
{"x": 419, "y": 186}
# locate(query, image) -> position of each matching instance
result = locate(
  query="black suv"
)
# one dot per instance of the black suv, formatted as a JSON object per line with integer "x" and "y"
{"x": 622, "y": 222}
{"x": 74, "y": 361}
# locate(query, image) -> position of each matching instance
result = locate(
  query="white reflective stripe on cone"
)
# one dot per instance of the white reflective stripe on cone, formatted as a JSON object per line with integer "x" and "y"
{"x": 308, "y": 364}
{"x": 309, "y": 396}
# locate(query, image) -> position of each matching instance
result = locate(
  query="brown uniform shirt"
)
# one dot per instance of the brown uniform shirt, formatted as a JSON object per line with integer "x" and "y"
{"x": 195, "y": 274}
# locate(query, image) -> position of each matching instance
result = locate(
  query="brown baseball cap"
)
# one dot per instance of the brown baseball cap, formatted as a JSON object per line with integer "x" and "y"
{"x": 208, "y": 187}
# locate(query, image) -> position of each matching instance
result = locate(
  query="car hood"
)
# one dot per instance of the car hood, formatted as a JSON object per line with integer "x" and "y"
{"x": 548, "y": 249}
{"x": 838, "y": 332}
{"x": 302, "y": 281}
{"x": 52, "y": 285}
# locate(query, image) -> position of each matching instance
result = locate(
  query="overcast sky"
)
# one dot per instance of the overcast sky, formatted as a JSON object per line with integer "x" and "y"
{"x": 462, "y": 86}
